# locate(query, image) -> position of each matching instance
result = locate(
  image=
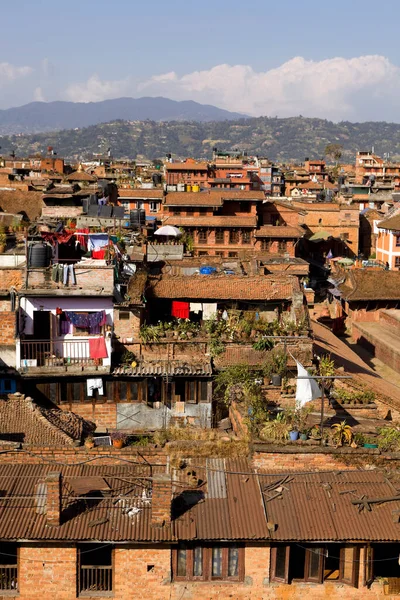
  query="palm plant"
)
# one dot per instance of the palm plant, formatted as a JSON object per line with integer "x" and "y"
{"x": 342, "y": 433}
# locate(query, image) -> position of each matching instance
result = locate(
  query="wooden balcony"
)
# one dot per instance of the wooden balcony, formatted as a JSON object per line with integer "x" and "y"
{"x": 9, "y": 578}
{"x": 59, "y": 355}
{"x": 95, "y": 580}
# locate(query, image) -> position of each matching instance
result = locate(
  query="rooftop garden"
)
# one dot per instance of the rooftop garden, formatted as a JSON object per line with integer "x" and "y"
{"x": 239, "y": 326}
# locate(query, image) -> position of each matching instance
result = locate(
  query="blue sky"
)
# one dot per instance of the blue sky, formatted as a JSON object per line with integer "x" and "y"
{"x": 338, "y": 60}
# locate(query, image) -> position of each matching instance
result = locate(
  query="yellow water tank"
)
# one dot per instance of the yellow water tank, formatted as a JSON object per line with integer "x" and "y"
{"x": 195, "y": 188}
{"x": 188, "y": 188}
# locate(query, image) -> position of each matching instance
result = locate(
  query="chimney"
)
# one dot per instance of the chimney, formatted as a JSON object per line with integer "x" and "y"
{"x": 53, "y": 499}
{"x": 161, "y": 499}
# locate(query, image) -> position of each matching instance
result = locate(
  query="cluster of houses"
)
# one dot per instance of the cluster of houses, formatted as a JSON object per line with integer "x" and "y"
{"x": 127, "y": 291}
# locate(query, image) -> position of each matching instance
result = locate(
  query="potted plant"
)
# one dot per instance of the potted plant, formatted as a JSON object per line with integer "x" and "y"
{"x": 326, "y": 369}
{"x": 304, "y": 435}
{"x": 342, "y": 434}
{"x": 275, "y": 366}
{"x": 276, "y": 430}
{"x": 315, "y": 432}
{"x": 118, "y": 439}
{"x": 294, "y": 434}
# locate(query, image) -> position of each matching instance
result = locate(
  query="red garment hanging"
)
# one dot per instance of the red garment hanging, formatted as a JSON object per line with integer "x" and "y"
{"x": 180, "y": 309}
{"x": 99, "y": 254}
{"x": 97, "y": 348}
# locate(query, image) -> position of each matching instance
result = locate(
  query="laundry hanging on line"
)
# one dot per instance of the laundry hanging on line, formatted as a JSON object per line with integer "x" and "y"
{"x": 97, "y": 241}
{"x": 94, "y": 384}
{"x": 180, "y": 310}
{"x": 92, "y": 321}
{"x": 97, "y": 348}
{"x": 63, "y": 273}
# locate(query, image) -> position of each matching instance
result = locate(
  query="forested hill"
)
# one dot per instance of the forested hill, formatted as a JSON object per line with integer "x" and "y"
{"x": 289, "y": 139}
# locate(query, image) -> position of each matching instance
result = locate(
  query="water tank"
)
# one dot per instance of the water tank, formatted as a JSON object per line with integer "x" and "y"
{"x": 188, "y": 188}
{"x": 142, "y": 216}
{"x": 207, "y": 270}
{"x": 134, "y": 217}
{"x": 39, "y": 255}
{"x": 195, "y": 188}
{"x": 181, "y": 187}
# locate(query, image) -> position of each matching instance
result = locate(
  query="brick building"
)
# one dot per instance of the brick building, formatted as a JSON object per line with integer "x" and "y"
{"x": 387, "y": 240}
{"x": 371, "y": 168}
{"x": 188, "y": 173}
{"x": 213, "y": 528}
{"x": 316, "y": 169}
{"x": 149, "y": 200}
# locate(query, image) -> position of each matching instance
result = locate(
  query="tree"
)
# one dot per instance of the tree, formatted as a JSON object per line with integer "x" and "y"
{"x": 334, "y": 151}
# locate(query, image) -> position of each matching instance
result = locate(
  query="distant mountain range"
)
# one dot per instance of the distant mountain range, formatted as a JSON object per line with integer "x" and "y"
{"x": 49, "y": 116}
{"x": 284, "y": 140}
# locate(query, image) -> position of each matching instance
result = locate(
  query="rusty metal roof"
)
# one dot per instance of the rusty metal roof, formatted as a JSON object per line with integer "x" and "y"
{"x": 318, "y": 507}
{"x": 162, "y": 368}
{"x": 227, "y": 501}
{"x": 230, "y": 505}
{"x": 113, "y": 503}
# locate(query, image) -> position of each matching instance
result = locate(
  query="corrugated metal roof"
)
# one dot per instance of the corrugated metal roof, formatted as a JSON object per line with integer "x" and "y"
{"x": 319, "y": 507}
{"x": 216, "y": 478}
{"x": 117, "y": 503}
{"x": 163, "y": 368}
{"x": 228, "y": 502}
{"x": 237, "y": 516}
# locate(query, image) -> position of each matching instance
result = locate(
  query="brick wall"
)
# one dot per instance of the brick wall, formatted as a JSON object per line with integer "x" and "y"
{"x": 11, "y": 278}
{"x": 292, "y": 459}
{"x": 127, "y": 328}
{"x": 104, "y": 414}
{"x": 100, "y": 279}
{"x": 144, "y": 573}
{"x": 7, "y": 325}
{"x": 62, "y": 211}
{"x": 45, "y": 573}
{"x": 104, "y": 455}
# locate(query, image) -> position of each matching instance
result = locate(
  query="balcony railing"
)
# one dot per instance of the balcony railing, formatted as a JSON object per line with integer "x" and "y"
{"x": 57, "y": 353}
{"x": 8, "y": 577}
{"x": 95, "y": 578}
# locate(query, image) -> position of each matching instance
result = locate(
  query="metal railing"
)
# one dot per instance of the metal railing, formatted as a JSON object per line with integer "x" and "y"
{"x": 56, "y": 353}
{"x": 8, "y": 577}
{"x": 95, "y": 578}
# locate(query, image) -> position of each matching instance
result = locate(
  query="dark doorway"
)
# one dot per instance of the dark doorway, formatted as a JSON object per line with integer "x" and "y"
{"x": 41, "y": 325}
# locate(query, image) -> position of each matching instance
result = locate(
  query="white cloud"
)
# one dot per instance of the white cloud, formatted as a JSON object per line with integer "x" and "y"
{"x": 9, "y": 73}
{"x": 360, "y": 88}
{"x": 327, "y": 88}
{"x": 94, "y": 89}
{"x": 38, "y": 95}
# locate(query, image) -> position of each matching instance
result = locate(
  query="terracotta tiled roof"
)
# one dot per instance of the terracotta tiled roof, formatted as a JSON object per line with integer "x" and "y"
{"x": 193, "y": 199}
{"x": 136, "y": 287}
{"x": 310, "y": 185}
{"x": 80, "y": 176}
{"x": 22, "y": 420}
{"x": 392, "y": 223}
{"x": 222, "y": 287}
{"x": 187, "y": 166}
{"x": 242, "y": 195}
{"x": 374, "y": 284}
{"x": 139, "y": 193}
{"x": 281, "y": 231}
{"x": 211, "y": 221}
{"x": 21, "y": 201}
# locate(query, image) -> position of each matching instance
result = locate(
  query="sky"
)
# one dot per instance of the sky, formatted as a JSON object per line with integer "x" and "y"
{"x": 339, "y": 61}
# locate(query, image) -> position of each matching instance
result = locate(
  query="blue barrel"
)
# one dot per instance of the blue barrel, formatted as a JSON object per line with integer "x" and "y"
{"x": 207, "y": 270}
